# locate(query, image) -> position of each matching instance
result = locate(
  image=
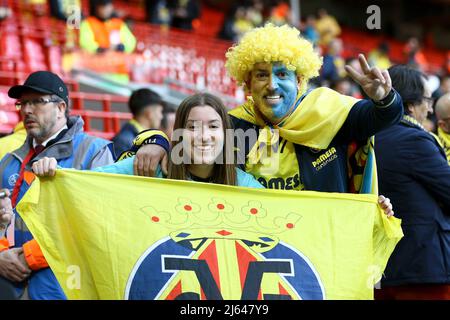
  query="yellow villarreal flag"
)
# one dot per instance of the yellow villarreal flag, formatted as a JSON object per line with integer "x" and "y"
{"x": 111, "y": 236}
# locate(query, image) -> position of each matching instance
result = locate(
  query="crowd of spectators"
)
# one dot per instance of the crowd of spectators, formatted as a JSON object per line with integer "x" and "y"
{"x": 425, "y": 96}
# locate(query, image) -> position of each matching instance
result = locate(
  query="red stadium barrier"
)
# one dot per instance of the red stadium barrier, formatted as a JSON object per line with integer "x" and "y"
{"x": 79, "y": 98}
{"x": 31, "y": 46}
{"x": 111, "y": 120}
{"x": 9, "y": 116}
{"x": 188, "y": 61}
{"x": 8, "y": 121}
{"x": 7, "y": 103}
{"x": 176, "y": 55}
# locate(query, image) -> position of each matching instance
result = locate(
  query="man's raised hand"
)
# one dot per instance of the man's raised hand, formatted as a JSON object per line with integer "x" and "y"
{"x": 376, "y": 83}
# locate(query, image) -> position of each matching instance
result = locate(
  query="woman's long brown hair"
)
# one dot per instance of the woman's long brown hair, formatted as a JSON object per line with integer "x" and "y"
{"x": 223, "y": 173}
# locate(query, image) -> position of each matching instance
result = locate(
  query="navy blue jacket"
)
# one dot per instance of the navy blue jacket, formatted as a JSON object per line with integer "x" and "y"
{"x": 413, "y": 172}
{"x": 123, "y": 141}
{"x": 363, "y": 121}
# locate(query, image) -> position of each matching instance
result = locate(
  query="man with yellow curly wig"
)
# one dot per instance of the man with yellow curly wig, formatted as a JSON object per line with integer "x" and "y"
{"x": 323, "y": 135}
{"x": 306, "y": 140}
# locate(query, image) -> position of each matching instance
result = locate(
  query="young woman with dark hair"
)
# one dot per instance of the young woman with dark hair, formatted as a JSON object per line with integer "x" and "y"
{"x": 204, "y": 123}
{"x": 200, "y": 150}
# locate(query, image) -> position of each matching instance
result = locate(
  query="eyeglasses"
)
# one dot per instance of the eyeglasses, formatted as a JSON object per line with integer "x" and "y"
{"x": 33, "y": 102}
{"x": 428, "y": 100}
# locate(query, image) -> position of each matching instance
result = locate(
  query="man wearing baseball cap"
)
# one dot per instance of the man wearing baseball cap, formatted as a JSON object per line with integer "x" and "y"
{"x": 43, "y": 101}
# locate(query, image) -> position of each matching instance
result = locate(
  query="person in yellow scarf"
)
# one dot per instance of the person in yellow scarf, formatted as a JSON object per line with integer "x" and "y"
{"x": 413, "y": 171}
{"x": 443, "y": 118}
{"x": 302, "y": 139}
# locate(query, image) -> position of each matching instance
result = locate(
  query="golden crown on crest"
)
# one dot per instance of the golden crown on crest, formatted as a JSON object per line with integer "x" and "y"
{"x": 221, "y": 214}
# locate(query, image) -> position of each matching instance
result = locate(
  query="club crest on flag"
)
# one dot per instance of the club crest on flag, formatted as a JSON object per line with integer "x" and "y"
{"x": 145, "y": 241}
{"x": 223, "y": 252}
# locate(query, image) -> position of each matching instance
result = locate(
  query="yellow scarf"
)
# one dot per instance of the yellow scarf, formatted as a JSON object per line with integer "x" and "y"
{"x": 136, "y": 125}
{"x": 313, "y": 124}
{"x": 441, "y": 138}
{"x": 445, "y": 139}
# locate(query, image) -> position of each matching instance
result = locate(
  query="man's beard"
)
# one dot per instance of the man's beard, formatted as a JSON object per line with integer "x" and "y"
{"x": 44, "y": 131}
{"x": 264, "y": 110}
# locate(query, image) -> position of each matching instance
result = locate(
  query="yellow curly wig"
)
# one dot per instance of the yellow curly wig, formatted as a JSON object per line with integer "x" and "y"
{"x": 273, "y": 44}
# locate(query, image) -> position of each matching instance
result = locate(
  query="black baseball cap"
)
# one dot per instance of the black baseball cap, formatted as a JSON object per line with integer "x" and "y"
{"x": 43, "y": 82}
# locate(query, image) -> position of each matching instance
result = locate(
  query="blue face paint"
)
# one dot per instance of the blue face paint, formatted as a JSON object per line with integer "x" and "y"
{"x": 274, "y": 89}
{"x": 284, "y": 83}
